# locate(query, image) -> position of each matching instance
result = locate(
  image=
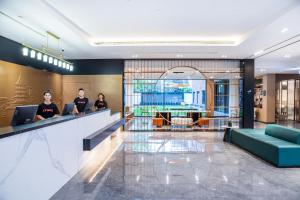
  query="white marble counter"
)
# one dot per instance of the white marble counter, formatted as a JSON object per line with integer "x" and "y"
{"x": 36, "y": 164}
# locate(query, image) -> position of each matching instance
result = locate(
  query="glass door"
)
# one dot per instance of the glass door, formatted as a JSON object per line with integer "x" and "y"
{"x": 297, "y": 99}
{"x": 291, "y": 100}
{"x": 284, "y": 99}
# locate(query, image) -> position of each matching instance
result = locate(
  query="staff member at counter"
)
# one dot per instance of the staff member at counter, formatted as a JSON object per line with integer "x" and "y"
{"x": 101, "y": 104}
{"x": 80, "y": 101}
{"x": 47, "y": 109}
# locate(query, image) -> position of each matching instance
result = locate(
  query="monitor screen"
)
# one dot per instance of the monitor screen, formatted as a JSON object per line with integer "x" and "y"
{"x": 89, "y": 107}
{"x": 24, "y": 115}
{"x": 68, "y": 109}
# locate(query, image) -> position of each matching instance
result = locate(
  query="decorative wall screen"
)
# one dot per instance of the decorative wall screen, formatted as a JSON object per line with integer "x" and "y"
{"x": 182, "y": 94}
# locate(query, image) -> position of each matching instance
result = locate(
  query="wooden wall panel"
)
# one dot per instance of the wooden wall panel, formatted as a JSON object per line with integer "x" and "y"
{"x": 20, "y": 85}
{"x": 210, "y": 96}
{"x": 110, "y": 85}
{"x": 266, "y": 114}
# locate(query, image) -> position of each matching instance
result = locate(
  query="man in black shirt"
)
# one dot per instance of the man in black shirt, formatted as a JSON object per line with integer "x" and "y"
{"x": 80, "y": 102}
{"x": 47, "y": 109}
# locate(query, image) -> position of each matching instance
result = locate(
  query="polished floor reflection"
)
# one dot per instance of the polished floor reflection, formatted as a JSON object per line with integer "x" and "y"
{"x": 183, "y": 165}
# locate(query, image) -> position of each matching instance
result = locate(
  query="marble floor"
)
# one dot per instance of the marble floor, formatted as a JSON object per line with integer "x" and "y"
{"x": 183, "y": 165}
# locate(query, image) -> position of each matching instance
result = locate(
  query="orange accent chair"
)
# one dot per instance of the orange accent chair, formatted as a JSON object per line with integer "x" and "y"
{"x": 203, "y": 122}
{"x": 158, "y": 122}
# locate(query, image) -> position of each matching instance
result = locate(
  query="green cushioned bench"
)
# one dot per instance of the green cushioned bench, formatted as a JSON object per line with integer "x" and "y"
{"x": 276, "y": 144}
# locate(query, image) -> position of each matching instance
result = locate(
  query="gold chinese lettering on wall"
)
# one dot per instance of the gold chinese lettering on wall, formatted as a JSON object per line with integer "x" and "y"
{"x": 20, "y": 85}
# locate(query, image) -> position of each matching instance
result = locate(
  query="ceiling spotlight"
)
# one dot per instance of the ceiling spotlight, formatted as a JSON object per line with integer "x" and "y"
{"x": 71, "y": 68}
{"x": 64, "y": 65}
{"x": 224, "y": 56}
{"x": 211, "y": 77}
{"x": 258, "y": 52}
{"x": 262, "y": 70}
{"x": 55, "y": 61}
{"x": 287, "y": 56}
{"x": 135, "y": 56}
{"x": 59, "y": 63}
{"x": 67, "y": 66}
{"x": 45, "y": 58}
{"x": 179, "y": 56}
{"x": 227, "y": 71}
{"x": 284, "y": 30}
{"x": 39, "y": 56}
{"x": 50, "y": 60}
{"x": 32, "y": 54}
{"x": 25, "y": 51}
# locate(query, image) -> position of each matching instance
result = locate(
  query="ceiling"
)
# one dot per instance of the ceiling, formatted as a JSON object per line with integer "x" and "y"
{"x": 134, "y": 29}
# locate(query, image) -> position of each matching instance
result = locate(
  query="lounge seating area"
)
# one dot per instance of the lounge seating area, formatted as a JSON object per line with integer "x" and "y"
{"x": 191, "y": 119}
{"x": 276, "y": 144}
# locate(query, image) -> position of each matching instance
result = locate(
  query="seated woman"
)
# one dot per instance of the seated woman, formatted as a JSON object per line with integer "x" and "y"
{"x": 101, "y": 104}
{"x": 47, "y": 109}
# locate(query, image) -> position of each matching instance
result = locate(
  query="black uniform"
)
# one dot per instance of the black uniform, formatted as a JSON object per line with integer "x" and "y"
{"x": 100, "y": 104}
{"x": 81, "y": 103}
{"x": 47, "y": 110}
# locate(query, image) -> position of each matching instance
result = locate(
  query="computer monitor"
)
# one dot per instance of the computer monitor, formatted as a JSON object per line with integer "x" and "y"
{"x": 24, "y": 115}
{"x": 89, "y": 107}
{"x": 68, "y": 108}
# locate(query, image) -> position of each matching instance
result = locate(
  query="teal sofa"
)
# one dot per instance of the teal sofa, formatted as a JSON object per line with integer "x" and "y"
{"x": 276, "y": 144}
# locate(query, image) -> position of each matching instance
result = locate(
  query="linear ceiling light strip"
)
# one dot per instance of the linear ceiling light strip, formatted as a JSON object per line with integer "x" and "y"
{"x": 46, "y": 58}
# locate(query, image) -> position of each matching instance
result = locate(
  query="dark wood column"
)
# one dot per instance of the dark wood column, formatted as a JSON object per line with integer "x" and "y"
{"x": 248, "y": 93}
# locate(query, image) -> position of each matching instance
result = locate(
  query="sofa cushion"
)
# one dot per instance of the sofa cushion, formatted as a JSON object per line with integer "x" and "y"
{"x": 284, "y": 133}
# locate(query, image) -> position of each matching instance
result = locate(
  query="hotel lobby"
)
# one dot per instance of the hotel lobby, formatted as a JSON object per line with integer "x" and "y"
{"x": 136, "y": 99}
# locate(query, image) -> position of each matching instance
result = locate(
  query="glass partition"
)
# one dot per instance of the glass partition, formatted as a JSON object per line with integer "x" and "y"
{"x": 287, "y": 100}
{"x": 164, "y": 95}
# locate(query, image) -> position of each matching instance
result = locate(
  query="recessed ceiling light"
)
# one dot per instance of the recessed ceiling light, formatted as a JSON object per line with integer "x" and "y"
{"x": 258, "y": 52}
{"x": 224, "y": 56}
{"x": 284, "y": 30}
{"x": 262, "y": 70}
{"x": 135, "y": 56}
{"x": 287, "y": 55}
{"x": 227, "y": 71}
{"x": 211, "y": 77}
{"x": 179, "y": 55}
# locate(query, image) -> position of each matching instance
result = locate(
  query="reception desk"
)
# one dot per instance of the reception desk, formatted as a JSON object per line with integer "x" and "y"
{"x": 38, "y": 159}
